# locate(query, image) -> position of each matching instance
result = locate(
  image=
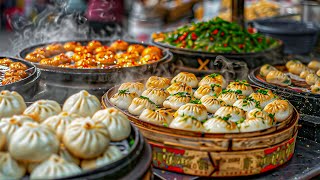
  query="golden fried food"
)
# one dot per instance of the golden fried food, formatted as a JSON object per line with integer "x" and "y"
{"x": 70, "y": 46}
{"x": 95, "y": 55}
{"x": 18, "y": 66}
{"x": 10, "y": 80}
{"x": 20, "y": 73}
{"x": 34, "y": 57}
{"x": 5, "y": 62}
{"x": 119, "y": 45}
{"x": 135, "y": 48}
{"x": 152, "y": 50}
{"x": 92, "y": 45}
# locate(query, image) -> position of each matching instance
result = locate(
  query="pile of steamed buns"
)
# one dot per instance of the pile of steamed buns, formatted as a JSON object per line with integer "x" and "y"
{"x": 48, "y": 141}
{"x": 209, "y": 105}
{"x": 310, "y": 74}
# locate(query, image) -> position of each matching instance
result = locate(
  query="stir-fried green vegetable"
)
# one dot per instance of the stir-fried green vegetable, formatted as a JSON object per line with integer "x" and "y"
{"x": 218, "y": 36}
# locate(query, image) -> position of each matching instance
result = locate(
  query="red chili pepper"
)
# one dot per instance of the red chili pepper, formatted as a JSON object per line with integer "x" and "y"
{"x": 211, "y": 39}
{"x": 215, "y": 31}
{"x": 259, "y": 39}
{"x": 194, "y": 36}
{"x": 251, "y": 30}
{"x": 225, "y": 45}
{"x": 222, "y": 33}
{"x": 183, "y": 36}
{"x": 241, "y": 46}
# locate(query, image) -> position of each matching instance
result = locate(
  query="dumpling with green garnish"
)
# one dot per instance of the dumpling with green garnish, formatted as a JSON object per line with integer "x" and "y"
{"x": 265, "y": 69}
{"x": 179, "y": 87}
{"x": 231, "y": 113}
{"x": 279, "y": 78}
{"x": 263, "y": 96}
{"x": 205, "y": 89}
{"x": 123, "y": 99}
{"x": 212, "y": 103}
{"x": 160, "y": 117}
{"x": 230, "y": 97}
{"x": 186, "y": 123}
{"x": 214, "y": 78}
{"x": 219, "y": 125}
{"x": 242, "y": 86}
{"x": 139, "y": 104}
{"x": 246, "y": 104}
{"x": 156, "y": 95}
{"x": 197, "y": 111}
{"x": 175, "y": 101}
{"x": 185, "y": 77}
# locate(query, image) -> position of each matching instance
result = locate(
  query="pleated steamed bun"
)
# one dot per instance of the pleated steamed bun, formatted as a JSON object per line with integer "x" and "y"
{"x": 116, "y": 122}
{"x": 42, "y": 109}
{"x": 219, "y": 125}
{"x": 186, "y": 123}
{"x": 123, "y": 99}
{"x": 281, "y": 109}
{"x": 82, "y": 103}
{"x": 10, "y": 125}
{"x": 111, "y": 155}
{"x": 10, "y": 168}
{"x": 59, "y": 122}
{"x": 185, "y": 77}
{"x": 55, "y": 167}
{"x": 85, "y": 138}
{"x": 11, "y": 103}
{"x": 33, "y": 142}
{"x": 159, "y": 117}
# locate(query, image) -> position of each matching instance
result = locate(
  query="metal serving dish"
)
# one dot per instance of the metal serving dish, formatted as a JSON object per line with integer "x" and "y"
{"x": 190, "y": 57}
{"x": 27, "y": 87}
{"x": 305, "y": 102}
{"x": 94, "y": 75}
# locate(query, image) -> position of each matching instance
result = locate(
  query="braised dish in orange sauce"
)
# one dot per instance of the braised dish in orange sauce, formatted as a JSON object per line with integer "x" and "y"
{"x": 11, "y": 71}
{"x": 95, "y": 55}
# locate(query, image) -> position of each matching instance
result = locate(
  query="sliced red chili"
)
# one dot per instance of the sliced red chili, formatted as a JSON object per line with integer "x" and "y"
{"x": 183, "y": 36}
{"x": 194, "y": 36}
{"x": 215, "y": 31}
{"x": 225, "y": 45}
{"x": 222, "y": 33}
{"x": 241, "y": 46}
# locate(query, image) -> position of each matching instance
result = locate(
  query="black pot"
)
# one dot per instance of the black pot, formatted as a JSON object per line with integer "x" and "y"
{"x": 305, "y": 102}
{"x": 190, "y": 57}
{"x": 94, "y": 76}
{"x": 27, "y": 87}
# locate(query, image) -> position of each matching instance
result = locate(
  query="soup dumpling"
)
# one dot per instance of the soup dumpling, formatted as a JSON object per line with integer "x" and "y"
{"x": 186, "y": 123}
{"x": 8, "y": 126}
{"x": 314, "y": 65}
{"x": 55, "y": 167}
{"x": 177, "y": 100}
{"x": 10, "y": 168}
{"x": 242, "y": 86}
{"x": 316, "y": 88}
{"x": 279, "y": 78}
{"x": 11, "y": 103}
{"x": 205, "y": 89}
{"x": 85, "y": 138}
{"x": 214, "y": 78}
{"x": 59, "y": 122}
{"x": 265, "y": 69}
{"x": 179, "y": 87}
{"x": 156, "y": 95}
{"x": 281, "y": 109}
{"x": 219, "y": 125}
{"x": 159, "y": 116}
{"x": 123, "y": 99}
{"x": 42, "y": 109}
{"x": 139, "y": 104}
{"x": 305, "y": 73}
{"x": 82, "y": 103}
{"x": 157, "y": 82}
{"x": 185, "y": 77}
{"x": 33, "y": 142}
{"x": 212, "y": 103}
{"x": 231, "y": 113}
{"x": 132, "y": 87}
{"x": 198, "y": 111}
{"x": 111, "y": 155}
{"x": 116, "y": 122}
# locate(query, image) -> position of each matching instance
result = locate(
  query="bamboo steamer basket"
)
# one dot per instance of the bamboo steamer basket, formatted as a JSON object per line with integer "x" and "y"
{"x": 217, "y": 154}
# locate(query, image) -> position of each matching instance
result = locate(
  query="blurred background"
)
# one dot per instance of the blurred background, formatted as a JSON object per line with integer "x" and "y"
{"x": 22, "y": 20}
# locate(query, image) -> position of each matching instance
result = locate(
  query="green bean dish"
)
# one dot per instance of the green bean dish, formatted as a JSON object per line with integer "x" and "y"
{"x": 216, "y": 36}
